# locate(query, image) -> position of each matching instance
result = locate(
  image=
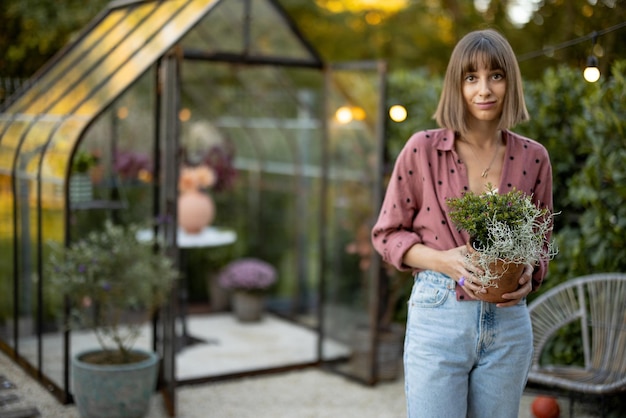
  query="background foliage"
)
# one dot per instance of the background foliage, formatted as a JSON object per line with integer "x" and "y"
{"x": 421, "y": 35}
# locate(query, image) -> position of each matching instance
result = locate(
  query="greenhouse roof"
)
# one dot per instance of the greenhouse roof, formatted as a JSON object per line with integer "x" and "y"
{"x": 49, "y": 116}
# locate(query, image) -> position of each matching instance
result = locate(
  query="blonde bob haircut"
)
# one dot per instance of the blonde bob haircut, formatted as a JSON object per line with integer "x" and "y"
{"x": 478, "y": 48}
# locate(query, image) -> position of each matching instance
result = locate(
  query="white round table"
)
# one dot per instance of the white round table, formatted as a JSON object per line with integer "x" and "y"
{"x": 211, "y": 236}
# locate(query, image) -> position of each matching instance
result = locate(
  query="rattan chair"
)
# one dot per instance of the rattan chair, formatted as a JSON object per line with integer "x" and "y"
{"x": 598, "y": 302}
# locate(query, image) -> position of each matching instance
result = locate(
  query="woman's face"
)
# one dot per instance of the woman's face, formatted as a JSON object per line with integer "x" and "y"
{"x": 483, "y": 92}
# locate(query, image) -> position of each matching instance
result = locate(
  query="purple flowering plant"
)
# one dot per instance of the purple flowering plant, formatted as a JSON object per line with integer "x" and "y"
{"x": 247, "y": 274}
{"x": 108, "y": 276}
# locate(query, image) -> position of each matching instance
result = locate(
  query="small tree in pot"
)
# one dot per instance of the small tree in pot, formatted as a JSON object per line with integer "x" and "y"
{"x": 113, "y": 284}
{"x": 507, "y": 231}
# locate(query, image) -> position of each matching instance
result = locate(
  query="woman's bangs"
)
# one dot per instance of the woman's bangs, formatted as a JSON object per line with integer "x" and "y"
{"x": 482, "y": 55}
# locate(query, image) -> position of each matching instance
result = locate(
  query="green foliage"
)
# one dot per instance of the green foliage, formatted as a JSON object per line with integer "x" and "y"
{"x": 109, "y": 276}
{"x": 565, "y": 347}
{"x": 583, "y": 127}
{"x": 474, "y": 213}
{"x": 504, "y": 226}
{"x": 83, "y": 161}
{"x": 418, "y": 92}
{"x": 34, "y": 30}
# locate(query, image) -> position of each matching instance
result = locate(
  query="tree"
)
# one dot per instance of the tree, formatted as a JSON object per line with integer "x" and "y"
{"x": 34, "y": 30}
{"x": 420, "y": 35}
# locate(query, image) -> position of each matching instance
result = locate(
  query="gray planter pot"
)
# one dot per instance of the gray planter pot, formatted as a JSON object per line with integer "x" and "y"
{"x": 114, "y": 391}
{"x": 248, "y": 306}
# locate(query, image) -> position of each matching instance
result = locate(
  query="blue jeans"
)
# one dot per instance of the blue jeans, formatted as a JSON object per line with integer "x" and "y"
{"x": 463, "y": 359}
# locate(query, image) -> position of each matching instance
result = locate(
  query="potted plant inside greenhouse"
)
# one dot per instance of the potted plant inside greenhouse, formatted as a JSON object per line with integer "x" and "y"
{"x": 507, "y": 231}
{"x": 248, "y": 279}
{"x": 113, "y": 284}
{"x": 81, "y": 188}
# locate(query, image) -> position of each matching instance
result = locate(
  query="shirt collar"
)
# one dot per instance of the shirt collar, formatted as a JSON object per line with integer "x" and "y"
{"x": 444, "y": 140}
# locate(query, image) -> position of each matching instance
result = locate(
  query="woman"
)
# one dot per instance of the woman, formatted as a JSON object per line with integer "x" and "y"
{"x": 463, "y": 357}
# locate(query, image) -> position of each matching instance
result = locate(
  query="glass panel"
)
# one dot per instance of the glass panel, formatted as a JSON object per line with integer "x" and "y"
{"x": 122, "y": 140}
{"x": 221, "y": 30}
{"x": 6, "y": 244}
{"x": 125, "y": 58}
{"x": 224, "y": 31}
{"x": 27, "y": 165}
{"x": 10, "y": 141}
{"x": 268, "y": 119}
{"x": 65, "y": 73}
{"x": 8, "y": 149}
{"x": 271, "y": 36}
{"x": 159, "y": 36}
{"x": 54, "y": 166}
{"x": 353, "y": 104}
{"x": 98, "y": 64}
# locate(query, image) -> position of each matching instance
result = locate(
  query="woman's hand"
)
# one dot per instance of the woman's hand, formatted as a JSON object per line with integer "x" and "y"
{"x": 463, "y": 271}
{"x": 525, "y": 287}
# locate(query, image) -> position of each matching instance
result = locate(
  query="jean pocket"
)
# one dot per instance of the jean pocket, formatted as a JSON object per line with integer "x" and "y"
{"x": 428, "y": 294}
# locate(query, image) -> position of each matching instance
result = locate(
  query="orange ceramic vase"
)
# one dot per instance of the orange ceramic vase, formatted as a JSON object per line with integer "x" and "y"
{"x": 196, "y": 211}
{"x": 508, "y": 274}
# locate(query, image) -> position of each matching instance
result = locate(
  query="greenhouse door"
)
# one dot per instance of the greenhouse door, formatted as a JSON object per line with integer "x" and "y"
{"x": 351, "y": 284}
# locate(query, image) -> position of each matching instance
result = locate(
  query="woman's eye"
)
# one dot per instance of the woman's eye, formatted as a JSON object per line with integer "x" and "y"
{"x": 469, "y": 78}
{"x": 498, "y": 76}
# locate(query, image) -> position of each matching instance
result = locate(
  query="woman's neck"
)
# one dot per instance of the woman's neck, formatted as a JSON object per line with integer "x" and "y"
{"x": 485, "y": 134}
{"x": 483, "y": 139}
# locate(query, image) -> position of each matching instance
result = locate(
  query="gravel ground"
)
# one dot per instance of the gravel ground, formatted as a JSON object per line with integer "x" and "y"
{"x": 305, "y": 393}
{"x": 308, "y": 393}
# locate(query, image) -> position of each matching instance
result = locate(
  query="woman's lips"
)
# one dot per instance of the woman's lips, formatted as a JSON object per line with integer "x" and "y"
{"x": 485, "y": 105}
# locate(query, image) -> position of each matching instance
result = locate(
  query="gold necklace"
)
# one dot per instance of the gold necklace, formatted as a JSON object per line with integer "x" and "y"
{"x": 485, "y": 172}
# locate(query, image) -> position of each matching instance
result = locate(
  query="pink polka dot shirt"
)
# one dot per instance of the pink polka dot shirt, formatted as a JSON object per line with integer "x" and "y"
{"x": 427, "y": 171}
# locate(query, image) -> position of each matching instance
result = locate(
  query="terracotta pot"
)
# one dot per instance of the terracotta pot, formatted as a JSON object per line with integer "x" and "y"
{"x": 196, "y": 211}
{"x": 508, "y": 274}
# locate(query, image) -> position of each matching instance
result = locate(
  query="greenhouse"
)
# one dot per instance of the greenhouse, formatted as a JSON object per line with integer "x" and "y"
{"x": 295, "y": 150}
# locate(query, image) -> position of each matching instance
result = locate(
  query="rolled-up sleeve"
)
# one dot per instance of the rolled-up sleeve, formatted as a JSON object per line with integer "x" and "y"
{"x": 393, "y": 234}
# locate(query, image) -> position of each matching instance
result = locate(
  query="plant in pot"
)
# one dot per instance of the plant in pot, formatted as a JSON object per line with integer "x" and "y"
{"x": 81, "y": 187}
{"x": 113, "y": 283}
{"x": 506, "y": 232}
{"x": 248, "y": 279}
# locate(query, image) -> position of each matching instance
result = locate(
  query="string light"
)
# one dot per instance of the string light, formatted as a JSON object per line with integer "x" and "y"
{"x": 592, "y": 73}
{"x": 550, "y": 49}
{"x": 397, "y": 113}
{"x": 344, "y": 115}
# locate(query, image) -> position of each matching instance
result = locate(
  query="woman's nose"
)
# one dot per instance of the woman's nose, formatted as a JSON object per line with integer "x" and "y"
{"x": 484, "y": 88}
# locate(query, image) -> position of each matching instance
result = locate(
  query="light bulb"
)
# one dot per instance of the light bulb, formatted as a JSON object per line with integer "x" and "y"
{"x": 592, "y": 73}
{"x": 344, "y": 115}
{"x": 397, "y": 113}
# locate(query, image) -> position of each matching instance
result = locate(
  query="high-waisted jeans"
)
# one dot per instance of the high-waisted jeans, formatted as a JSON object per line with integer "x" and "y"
{"x": 463, "y": 359}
